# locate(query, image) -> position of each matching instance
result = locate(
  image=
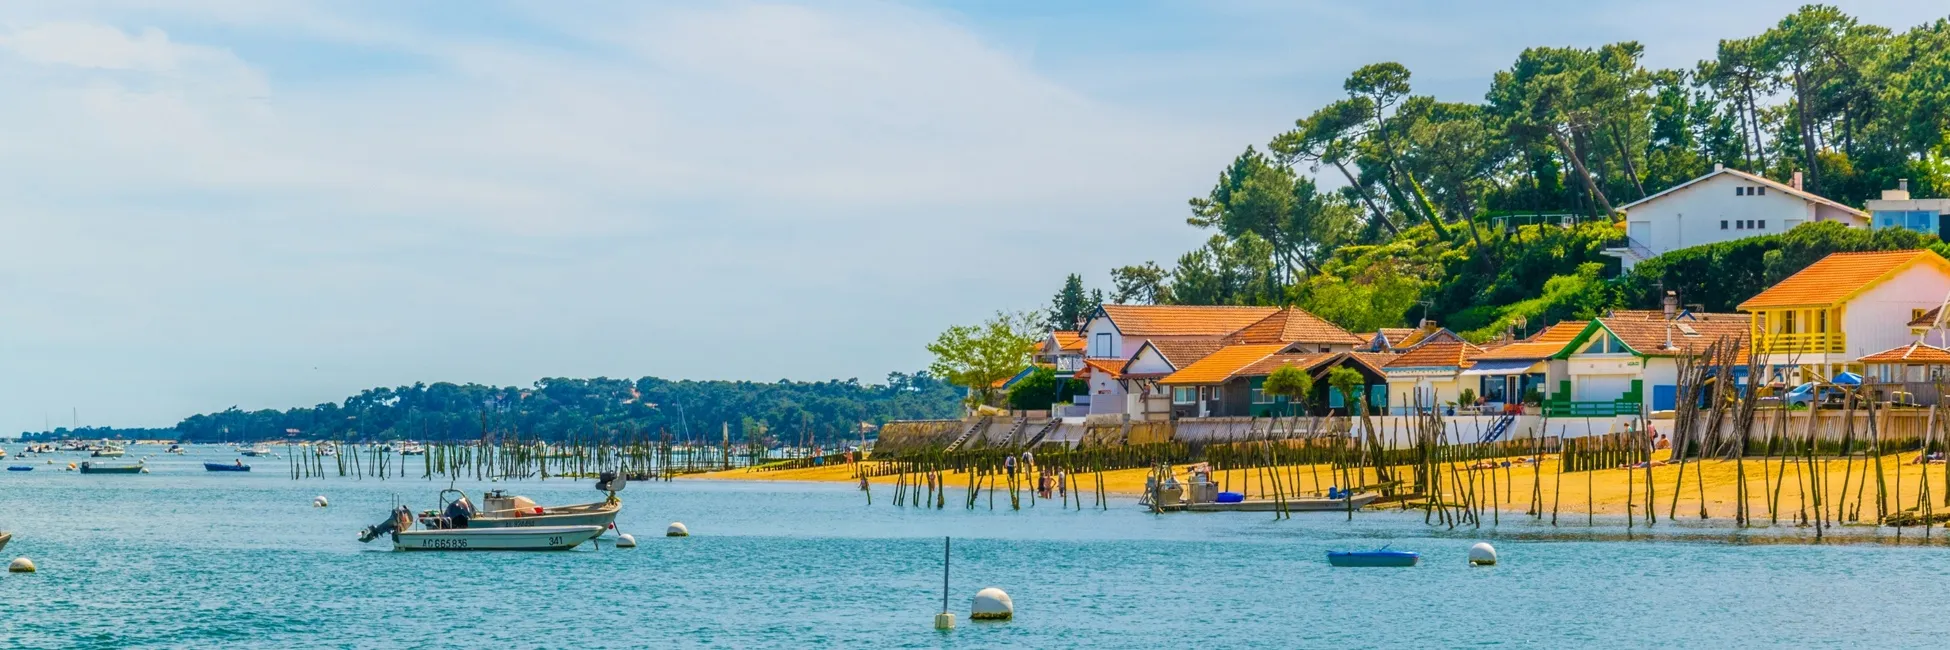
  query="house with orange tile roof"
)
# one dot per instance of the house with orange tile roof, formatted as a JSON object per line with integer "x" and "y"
{"x": 1230, "y": 382}
{"x": 1180, "y": 334}
{"x": 1503, "y": 375}
{"x": 1429, "y": 376}
{"x": 1063, "y": 350}
{"x": 1403, "y": 339}
{"x": 1606, "y": 369}
{"x": 1826, "y": 318}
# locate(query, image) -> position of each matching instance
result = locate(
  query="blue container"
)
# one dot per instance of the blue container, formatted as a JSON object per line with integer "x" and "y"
{"x": 1230, "y": 497}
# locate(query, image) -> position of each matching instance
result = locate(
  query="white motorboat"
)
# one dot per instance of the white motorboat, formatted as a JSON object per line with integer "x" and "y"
{"x": 109, "y": 451}
{"x": 412, "y": 449}
{"x": 539, "y": 538}
{"x": 502, "y": 510}
{"x": 259, "y": 449}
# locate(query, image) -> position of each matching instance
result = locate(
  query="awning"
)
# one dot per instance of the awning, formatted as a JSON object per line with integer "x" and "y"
{"x": 1500, "y": 367}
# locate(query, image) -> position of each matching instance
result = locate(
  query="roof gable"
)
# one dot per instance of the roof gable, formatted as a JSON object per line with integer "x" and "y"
{"x": 1914, "y": 353}
{"x": 1438, "y": 354}
{"x": 1220, "y": 366}
{"x": 1841, "y": 276}
{"x": 1294, "y": 325}
{"x": 1546, "y": 343}
{"x": 1735, "y": 174}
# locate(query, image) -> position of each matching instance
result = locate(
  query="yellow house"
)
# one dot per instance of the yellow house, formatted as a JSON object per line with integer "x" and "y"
{"x": 1825, "y": 318}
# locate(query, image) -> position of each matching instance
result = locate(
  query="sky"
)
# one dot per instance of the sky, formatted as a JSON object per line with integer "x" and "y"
{"x": 278, "y": 203}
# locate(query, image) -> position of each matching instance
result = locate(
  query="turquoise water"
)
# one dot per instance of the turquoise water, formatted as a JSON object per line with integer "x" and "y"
{"x": 184, "y": 558}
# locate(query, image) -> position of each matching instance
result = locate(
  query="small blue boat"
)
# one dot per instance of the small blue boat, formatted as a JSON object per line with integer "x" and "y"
{"x": 20, "y": 468}
{"x": 221, "y": 467}
{"x": 1378, "y": 557}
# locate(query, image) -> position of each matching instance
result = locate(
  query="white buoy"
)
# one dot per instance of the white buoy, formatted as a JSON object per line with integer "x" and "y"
{"x": 21, "y": 565}
{"x": 944, "y": 621}
{"x": 677, "y": 529}
{"x": 625, "y": 540}
{"x": 1482, "y": 554}
{"x": 319, "y": 501}
{"x": 992, "y": 604}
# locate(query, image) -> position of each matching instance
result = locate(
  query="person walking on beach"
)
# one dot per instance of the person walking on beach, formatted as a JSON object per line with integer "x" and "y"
{"x": 1009, "y": 465}
{"x": 1062, "y": 488}
{"x": 1028, "y": 460}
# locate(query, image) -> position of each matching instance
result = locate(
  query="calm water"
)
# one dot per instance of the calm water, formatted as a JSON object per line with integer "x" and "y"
{"x": 184, "y": 558}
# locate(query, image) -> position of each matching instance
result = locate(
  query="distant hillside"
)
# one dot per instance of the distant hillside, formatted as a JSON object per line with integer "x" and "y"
{"x": 558, "y": 408}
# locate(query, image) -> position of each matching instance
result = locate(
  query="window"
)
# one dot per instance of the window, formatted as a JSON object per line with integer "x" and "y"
{"x": 1787, "y": 322}
{"x": 1763, "y": 224}
{"x": 1821, "y": 320}
{"x": 1740, "y": 190}
{"x": 1723, "y": 224}
{"x": 1258, "y": 393}
{"x": 1184, "y": 394}
{"x": 1762, "y": 190}
{"x": 1102, "y": 347}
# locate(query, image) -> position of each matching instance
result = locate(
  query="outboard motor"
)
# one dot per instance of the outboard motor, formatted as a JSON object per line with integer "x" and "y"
{"x": 397, "y": 520}
{"x": 610, "y": 481}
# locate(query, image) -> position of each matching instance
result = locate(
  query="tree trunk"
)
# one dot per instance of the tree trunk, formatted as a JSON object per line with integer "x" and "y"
{"x": 1631, "y": 172}
{"x": 1591, "y": 186}
{"x": 1379, "y": 216}
{"x": 1807, "y": 132}
{"x": 1753, "y": 120}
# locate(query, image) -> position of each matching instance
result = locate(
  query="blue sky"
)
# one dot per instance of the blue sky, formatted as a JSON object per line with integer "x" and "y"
{"x": 271, "y": 203}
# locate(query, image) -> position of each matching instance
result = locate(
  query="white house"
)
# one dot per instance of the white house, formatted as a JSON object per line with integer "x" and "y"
{"x": 1724, "y": 205}
{"x": 1897, "y": 210}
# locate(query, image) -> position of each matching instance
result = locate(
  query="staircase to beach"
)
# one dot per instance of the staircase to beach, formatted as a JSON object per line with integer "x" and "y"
{"x": 1499, "y": 428}
{"x": 973, "y": 427}
{"x": 1042, "y": 433}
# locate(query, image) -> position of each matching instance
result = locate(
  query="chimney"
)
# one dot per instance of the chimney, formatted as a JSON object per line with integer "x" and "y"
{"x": 1796, "y": 183}
{"x": 1901, "y": 193}
{"x": 1671, "y": 304}
{"x": 1717, "y": 168}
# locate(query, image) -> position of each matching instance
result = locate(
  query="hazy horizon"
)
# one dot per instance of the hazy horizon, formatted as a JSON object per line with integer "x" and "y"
{"x": 271, "y": 204}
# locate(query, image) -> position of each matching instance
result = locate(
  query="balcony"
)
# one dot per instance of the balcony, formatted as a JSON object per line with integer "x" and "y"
{"x": 1804, "y": 343}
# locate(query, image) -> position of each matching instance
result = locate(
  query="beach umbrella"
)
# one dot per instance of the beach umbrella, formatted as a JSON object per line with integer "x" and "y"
{"x": 1848, "y": 379}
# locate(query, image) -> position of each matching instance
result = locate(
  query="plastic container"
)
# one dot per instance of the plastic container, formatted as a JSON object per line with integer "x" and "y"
{"x": 1230, "y": 497}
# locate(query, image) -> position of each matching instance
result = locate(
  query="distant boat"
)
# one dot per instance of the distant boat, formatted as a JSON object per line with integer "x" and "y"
{"x": 91, "y": 468}
{"x": 20, "y": 468}
{"x": 175, "y": 449}
{"x": 1381, "y": 557}
{"x": 326, "y": 449}
{"x": 256, "y": 450}
{"x": 540, "y": 538}
{"x": 222, "y": 467}
{"x": 109, "y": 451}
{"x": 412, "y": 449}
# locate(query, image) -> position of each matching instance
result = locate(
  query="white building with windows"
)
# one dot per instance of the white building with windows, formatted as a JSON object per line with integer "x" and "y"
{"x": 1724, "y": 205}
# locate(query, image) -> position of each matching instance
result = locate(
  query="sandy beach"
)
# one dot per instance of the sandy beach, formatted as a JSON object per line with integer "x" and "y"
{"x": 1603, "y": 492}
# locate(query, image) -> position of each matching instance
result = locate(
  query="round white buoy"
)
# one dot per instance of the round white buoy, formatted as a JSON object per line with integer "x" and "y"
{"x": 677, "y": 529}
{"x": 944, "y": 621}
{"x": 319, "y": 501}
{"x": 1482, "y": 554}
{"x": 21, "y": 565}
{"x": 625, "y": 540}
{"x": 992, "y": 604}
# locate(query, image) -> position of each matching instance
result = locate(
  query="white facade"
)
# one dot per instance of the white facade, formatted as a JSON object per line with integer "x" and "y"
{"x": 1878, "y": 319}
{"x": 1428, "y": 388}
{"x": 1721, "y": 206}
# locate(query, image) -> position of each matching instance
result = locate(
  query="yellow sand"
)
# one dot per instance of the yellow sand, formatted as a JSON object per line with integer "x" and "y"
{"x": 1608, "y": 493}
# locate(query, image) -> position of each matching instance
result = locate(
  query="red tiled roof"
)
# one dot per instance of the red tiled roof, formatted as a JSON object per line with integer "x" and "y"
{"x": 1646, "y": 331}
{"x": 1927, "y": 319}
{"x": 1220, "y": 366}
{"x": 1397, "y": 335}
{"x": 1183, "y": 320}
{"x": 1915, "y": 353}
{"x": 1067, "y": 340}
{"x": 1839, "y": 277}
{"x": 1266, "y": 366}
{"x": 1546, "y": 342}
{"x": 1184, "y": 352}
{"x": 1112, "y": 367}
{"x": 1438, "y": 354}
{"x": 1293, "y": 325}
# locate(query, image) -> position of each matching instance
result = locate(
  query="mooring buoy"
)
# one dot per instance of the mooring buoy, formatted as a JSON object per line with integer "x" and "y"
{"x": 677, "y": 529}
{"x": 992, "y": 604}
{"x": 625, "y": 540}
{"x": 319, "y": 501}
{"x": 21, "y": 565}
{"x": 1482, "y": 554}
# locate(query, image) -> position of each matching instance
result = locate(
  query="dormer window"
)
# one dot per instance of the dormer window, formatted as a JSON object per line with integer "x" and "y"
{"x": 1101, "y": 346}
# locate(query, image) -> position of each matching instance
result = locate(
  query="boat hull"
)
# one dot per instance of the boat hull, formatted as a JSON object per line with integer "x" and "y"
{"x": 97, "y": 469}
{"x": 220, "y": 467}
{"x": 1269, "y": 505}
{"x": 539, "y": 538}
{"x": 1373, "y": 558}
